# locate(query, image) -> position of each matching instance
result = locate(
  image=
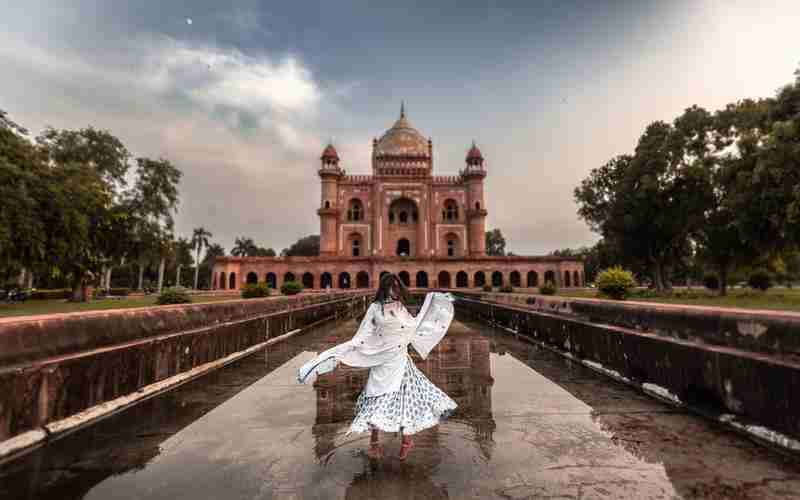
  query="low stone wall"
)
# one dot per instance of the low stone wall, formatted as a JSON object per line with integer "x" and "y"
{"x": 56, "y": 366}
{"x": 769, "y": 332}
{"x": 747, "y": 389}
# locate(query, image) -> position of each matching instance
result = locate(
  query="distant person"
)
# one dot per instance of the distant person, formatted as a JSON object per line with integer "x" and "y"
{"x": 398, "y": 397}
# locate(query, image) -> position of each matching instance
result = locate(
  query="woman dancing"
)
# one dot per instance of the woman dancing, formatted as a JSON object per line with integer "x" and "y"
{"x": 397, "y": 397}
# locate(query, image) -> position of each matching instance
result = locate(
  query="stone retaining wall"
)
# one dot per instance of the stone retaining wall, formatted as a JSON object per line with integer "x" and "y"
{"x": 769, "y": 332}
{"x": 723, "y": 381}
{"x": 55, "y": 366}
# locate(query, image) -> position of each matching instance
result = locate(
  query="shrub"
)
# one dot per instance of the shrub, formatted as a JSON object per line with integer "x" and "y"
{"x": 711, "y": 281}
{"x": 291, "y": 288}
{"x": 760, "y": 279}
{"x": 174, "y": 295}
{"x": 615, "y": 283}
{"x": 50, "y": 294}
{"x": 487, "y": 288}
{"x": 549, "y": 288}
{"x": 254, "y": 291}
{"x": 119, "y": 292}
{"x": 506, "y": 289}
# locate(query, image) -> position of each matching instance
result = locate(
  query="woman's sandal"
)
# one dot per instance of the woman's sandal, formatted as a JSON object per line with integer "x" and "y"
{"x": 375, "y": 450}
{"x": 405, "y": 448}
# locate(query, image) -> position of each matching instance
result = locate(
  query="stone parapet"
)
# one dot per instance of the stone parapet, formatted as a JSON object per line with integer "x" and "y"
{"x": 25, "y": 339}
{"x": 56, "y": 366}
{"x": 748, "y": 391}
{"x": 770, "y": 332}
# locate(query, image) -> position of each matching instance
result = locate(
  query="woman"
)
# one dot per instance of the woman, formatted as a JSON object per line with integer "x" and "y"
{"x": 397, "y": 397}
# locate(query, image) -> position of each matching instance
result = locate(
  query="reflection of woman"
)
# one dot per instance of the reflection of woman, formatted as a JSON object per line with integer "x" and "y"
{"x": 398, "y": 397}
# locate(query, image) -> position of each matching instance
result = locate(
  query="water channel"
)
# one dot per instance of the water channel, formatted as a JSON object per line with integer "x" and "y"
{"x": 530, "y": 424}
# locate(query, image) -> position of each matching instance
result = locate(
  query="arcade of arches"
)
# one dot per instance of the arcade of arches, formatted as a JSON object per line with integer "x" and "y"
{"x": 428, "y": 229}
{"x": 322, "y": 274}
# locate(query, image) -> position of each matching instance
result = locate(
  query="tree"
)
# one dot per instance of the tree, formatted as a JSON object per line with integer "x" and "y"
{"x": 707, "y": 141}
{"x": 265, "y": 252}
{"x": 153, "y": 201}
{"x": 307, "y": 246}
{"x": 86, "y": 220}
{"x": 182, "y": 249}
{"x": 495, "y": 243}
{"x": 200, "y": 238}
{"x": 244, "y": 247}
{"x": 602, "y": 255}
{"x": 646, "y": 204}
{"x": 22, "y": 232}
{"x": 213, "y": 251}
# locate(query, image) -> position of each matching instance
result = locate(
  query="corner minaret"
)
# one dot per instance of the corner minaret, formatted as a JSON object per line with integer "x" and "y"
{"x": 329, "y": 173}
{"x": 473, "y": 176}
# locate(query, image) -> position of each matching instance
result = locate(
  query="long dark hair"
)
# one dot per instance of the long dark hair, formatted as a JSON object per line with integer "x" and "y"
{"x": 385, "y": 285}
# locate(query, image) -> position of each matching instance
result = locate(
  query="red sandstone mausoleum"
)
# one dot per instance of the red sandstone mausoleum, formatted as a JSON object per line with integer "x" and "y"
{"x": 428, "y": 229}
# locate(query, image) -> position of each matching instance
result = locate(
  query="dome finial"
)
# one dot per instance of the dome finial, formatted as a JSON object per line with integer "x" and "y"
{"x": 402, "y": 109}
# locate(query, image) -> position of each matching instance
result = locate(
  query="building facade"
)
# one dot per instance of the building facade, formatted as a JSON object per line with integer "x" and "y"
{"x": 429, "y": 229}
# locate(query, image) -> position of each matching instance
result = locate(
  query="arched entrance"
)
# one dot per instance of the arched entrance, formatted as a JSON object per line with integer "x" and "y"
{"x": 288, "y": 277}
{"x": 576, "y": 279}
{"x": 497, "y": 278}
{"x": 515, "y": 279}
{"x": 272, "y": 280}
{"x": 422, "y": 279}
{"x": 252, "y": 278}
{"x": 480, "y": 279}
{"x": 222, "y": 282}
{"x": 444, "y": 279}
{"x": 533, "y": 279}
{"x": 362, "y": 279}
{"x": 326, "y": 281}
{"x": 308, "y": 280}
{"x": 403, "y": 247}
{"x": 462, "y": 280}
{"x": 550, "y": 277}
{"x": 567, "y": 279}
{"x": 232, "y": 281}
{"x": 384, "y": 273}
{"x": 344, "y": 280}
{"x": 404, "y": 278}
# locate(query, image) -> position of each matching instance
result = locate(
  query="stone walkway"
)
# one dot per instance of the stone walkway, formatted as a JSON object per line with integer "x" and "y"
{"x": 530, "y": 425}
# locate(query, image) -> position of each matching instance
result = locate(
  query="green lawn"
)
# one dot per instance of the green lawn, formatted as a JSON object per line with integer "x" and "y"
{"x": 779, "y": 299}
{"x": 61, "y": 306}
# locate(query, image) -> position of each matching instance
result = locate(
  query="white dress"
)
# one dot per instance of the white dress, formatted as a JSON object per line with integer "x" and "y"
{"x": 398, "y": 396}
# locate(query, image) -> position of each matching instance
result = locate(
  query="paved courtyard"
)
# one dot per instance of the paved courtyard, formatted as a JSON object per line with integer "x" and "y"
{"x": 529, "y": 425}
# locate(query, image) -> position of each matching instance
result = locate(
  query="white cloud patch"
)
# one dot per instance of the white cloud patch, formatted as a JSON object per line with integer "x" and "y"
{"x": 243, "y": 128}
{"x": 215, "y": 77}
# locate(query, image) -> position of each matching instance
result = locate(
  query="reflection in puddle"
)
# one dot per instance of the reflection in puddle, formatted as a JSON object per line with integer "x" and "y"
{"x": 459, "y": 366}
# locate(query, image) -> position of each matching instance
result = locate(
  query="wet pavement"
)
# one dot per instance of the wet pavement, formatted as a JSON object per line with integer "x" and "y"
{"x": 530, "y": 424}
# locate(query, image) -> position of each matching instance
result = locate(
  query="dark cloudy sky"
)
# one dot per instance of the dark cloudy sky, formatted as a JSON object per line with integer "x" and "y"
{"x": 243, "y": 95}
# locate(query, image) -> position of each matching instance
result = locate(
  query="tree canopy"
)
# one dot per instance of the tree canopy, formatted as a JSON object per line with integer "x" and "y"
{"x": 495, "y": 243}
{"x": 67, "y": 207}
{"x": 714, "y": 187}
{"x": 307, "y": 246}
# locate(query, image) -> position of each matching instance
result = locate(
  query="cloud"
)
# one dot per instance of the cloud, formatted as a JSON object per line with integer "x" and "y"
{"x": 226, "y": 77}
{"x": 243, "y": 128}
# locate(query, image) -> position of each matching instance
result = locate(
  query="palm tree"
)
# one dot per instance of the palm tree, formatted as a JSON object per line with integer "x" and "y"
{"x": 213, "y": 251}
{"x": 182, "y": 256}
{"x": 200, "y": 238}
{"x": 243, "y": 247}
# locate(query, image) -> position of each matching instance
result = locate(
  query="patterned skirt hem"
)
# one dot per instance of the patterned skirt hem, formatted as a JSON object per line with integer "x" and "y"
{"x": 416, "y": 406}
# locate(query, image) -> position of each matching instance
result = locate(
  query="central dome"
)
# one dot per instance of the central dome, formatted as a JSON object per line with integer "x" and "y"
{"x": 402, "y": 140}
